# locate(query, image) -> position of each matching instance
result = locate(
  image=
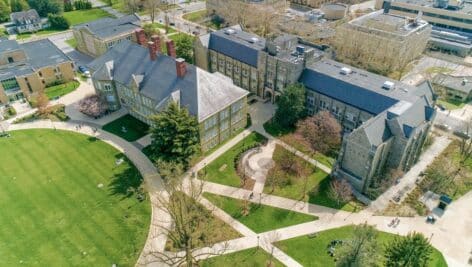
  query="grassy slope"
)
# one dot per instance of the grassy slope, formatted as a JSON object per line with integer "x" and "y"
{"x": 135, "y": 128}
{"x": 228, "y": 175}
{"x": 252, "y": 257}
{"x": 261, "y": 218}
{"x": 52, "y": 211}
{"x": 312, "y": 251}
{"x": 81, "y": 16}
{"x": 61, "y": 89}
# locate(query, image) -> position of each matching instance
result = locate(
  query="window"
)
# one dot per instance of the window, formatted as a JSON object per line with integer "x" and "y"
{"x": 237, "y": 106}
{"x": 10, "y": 84}
{"x": 224, "y": 114}
{"x": 224, "y": 125}
{"x": 209, "y": 123}
{"x": 108, "y": 88}
{"x": 210, "y": 134}
{"x": 10, "y": 60}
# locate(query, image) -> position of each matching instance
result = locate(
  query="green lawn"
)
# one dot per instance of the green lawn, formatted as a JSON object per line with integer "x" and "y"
{"x": 81, "y": 16}
{"x": 222, "y": 170}
{"x": 451, "y": 104}
{"x": 134, "y": 128}
{"x": 312, "y": 251}
{"x": 317, "y": 185}
{"x": 53, "y": 211}
{"x": 72, "y": 42}
{"x": 252, "y": 257}
{"x": 196, "y": 16}
{"x": 61, "y": 89}
{"x": 261, "y": 218}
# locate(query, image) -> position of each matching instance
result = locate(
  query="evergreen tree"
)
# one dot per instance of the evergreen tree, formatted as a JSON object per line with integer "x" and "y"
{"x": 175, "y": 135}
{"x": 4, "y": 11}
{"x": 45, "y": 7}
{"x": 414, "y": 250}
{"x": 18, "y": 5}
{"x": 58, "y": 22}
{"x": 291, "y": 105}
{"x": 184, "y": 47}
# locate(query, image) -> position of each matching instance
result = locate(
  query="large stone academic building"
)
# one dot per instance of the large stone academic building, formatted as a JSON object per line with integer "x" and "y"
{"x": 385, "y": 121}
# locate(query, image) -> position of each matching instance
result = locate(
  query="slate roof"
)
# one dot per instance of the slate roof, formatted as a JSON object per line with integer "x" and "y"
{"x": 22, "y": 16}
{"x": 202, "y": 93}
{"x": 462, "y": 84}
{"x": 237, "y": 44}
{"x": 108, "y": 27}
{"x": 8, "y": 45}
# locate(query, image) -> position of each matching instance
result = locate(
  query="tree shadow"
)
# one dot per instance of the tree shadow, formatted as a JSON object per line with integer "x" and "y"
{"x": 127, "y": 183}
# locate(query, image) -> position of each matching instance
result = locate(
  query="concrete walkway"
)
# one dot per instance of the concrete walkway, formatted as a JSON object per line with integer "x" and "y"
{"x": 408, "y": 181}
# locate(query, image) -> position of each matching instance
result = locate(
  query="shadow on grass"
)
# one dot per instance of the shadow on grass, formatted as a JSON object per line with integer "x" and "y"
{"x": 128, "y": 182}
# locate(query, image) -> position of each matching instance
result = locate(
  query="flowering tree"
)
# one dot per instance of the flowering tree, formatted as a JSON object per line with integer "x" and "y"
{"x": 93, "y": 106}
{"x": 322, "y": 131}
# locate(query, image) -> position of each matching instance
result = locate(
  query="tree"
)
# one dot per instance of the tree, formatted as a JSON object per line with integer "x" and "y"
{"x": 187, "y": 224}
{"x": 4, "y": 11}
{"x": 184, "y": 47}
{"x": 152, "y": 7}
{"x": 93, "y": 106}
{"x": 340, "y": 191}
{"x": 360, "y": 250}
{"x": 18, "y": 5}
{"x": 42, "y": 102}
{"x": 175, "y": 135}
{"x": 45, "y": 7}
{"x": 58, "y": 22}
{"x": 151, "y": 29}
{"x": 322, "y": 131}
{"x": 291, "y": 105}
{"x": 414, "y": 250}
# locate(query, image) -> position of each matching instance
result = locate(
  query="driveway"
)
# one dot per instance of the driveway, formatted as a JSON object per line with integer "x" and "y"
{"x": 60, "y": 41}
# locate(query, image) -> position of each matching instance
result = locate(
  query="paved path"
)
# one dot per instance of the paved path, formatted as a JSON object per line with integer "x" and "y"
{"x": 408, "y": 181}
{"x": 104, "y": 7}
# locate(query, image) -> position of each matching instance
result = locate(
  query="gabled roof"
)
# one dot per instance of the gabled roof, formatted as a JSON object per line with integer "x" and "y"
{"x": 108, "y": 27}
{"x": 237, "y": 44}
{"x": 202, "y": 93}
{"x": 8, "y": 45}
{"x": 22, "y": 16}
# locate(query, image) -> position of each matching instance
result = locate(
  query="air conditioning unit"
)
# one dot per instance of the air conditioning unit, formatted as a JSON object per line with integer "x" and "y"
{"x": 230, "y": 31}
{"x": 388, "y": 85}
{"x": 345, "y": 71}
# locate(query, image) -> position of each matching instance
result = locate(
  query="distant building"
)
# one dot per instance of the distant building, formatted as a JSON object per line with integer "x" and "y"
{"x": 385, "y": 121}
{"x": 451, "y": 21}
{"x": 311, "y": 3}
{"x": 27, "y": 21}
{"x": 28, "y": 68}
{"x": 144, "y": 81}
{"x": 95, "y": 38}
{"x": 263, "y": 67}
{"x": 381, "y": 41}
{"x": 455, "y": 88}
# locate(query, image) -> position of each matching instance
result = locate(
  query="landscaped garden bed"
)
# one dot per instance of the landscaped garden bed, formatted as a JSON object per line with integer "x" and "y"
{"x": 312, "y": 250}
{"x": 308, "y": 183}
{"x": 67, "y": 200}
{"x": 223, "y": 169}
{"x": 259, "y": 218}
{"x": 128, "y": 128}
{"x": 53, "y": 113}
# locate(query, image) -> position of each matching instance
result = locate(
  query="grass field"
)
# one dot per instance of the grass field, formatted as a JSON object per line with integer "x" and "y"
{"x": 223, "y": 169}
{"x": 61, "y": 89}
{"x": 261, "y": 218}
{"x": 72, "y": 42}
{"x": 252, "y": 257}
{"x": 451, "y": 104}
{"x": 135, "y": 128}
{"x": 81, "y": 16}
{"x": 54, "y": 211}
{"x": 313, "y": 251}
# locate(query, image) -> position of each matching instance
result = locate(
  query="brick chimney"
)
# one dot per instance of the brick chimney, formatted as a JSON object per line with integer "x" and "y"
{"x": 170, "y": 48}
{"x": 152, "y": 50}
{"x": 140, "y": 37}
{"x": 180, "y": 67}
{"x": 157, "y": 42}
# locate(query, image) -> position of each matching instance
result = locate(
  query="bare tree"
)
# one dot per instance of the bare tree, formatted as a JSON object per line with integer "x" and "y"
{"x": 322, "y": 131}
{"x": 42, "y": 102}
{"x": 153, "y": 7}
{"x": 340, "y": 191}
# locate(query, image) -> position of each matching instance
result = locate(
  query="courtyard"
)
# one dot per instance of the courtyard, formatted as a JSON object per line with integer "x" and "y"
{"x": 69, "y": 200}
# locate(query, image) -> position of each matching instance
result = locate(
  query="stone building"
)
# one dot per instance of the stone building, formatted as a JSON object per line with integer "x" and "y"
{"x": 263, "y": 67}
{"x": 144, "y": 81}
{"x": 385, "y": 121}
{"x": 28, "y": 68}
{"x": 95, "y": 38}
{"x": 381, "y": 41}
{"x": 453, "y": 88}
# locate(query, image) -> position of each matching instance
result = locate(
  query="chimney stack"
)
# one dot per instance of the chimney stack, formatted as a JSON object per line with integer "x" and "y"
{"x": 140, "y": 36}
{"x": 152, "y": 50}
{"x": 170, "y": 48}
{"x": 157, "y": 42}
{"x": 180, "y": 67}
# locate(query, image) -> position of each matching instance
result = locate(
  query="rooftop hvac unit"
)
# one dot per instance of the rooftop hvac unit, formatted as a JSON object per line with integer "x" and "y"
{"x": 230, "y": 31}
{"x": 300, "y": 49}
{"x": 253, "y": 40}
{"x": 388, "y": 85}
{"x": 345, "y": 71}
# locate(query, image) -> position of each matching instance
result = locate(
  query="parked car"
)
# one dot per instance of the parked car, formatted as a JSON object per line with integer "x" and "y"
{"x": 441, "y": 107}
{"x": 82, "y": 69}
{"x": 443, "y": 127}
{"x": 462, "y": 134}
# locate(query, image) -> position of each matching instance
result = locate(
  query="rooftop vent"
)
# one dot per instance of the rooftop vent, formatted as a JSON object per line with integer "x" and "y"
{"x": 464, "y": 81}
{"x": 300, "y": 49}
{"x": 345, "y": 71}
{"x": 229, "y": 31}
{"x": 253, "y": 40}
{"x": 388, "y": 85}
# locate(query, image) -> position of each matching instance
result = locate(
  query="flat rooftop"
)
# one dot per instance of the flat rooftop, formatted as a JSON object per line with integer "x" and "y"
{"x": 467, "y": 7}
{"x": 388, "y": 23}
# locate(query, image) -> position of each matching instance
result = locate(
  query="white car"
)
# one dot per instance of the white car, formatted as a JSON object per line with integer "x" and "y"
{"x": 87, "y": 74}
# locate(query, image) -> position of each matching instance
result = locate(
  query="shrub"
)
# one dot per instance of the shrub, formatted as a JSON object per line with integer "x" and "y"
{"x": 81, "y": 4}
{"x": 68, "y": 7}
{"x": 58, "y": 22}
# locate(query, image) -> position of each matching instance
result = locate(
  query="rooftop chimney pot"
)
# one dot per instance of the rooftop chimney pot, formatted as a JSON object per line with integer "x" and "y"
{"x": 157, "y": 42}
{"x": 152, "y": 50}
{"x": 180, "y": 67}
{"x": 171, "y": 49}
{"x": 140, "y": 37}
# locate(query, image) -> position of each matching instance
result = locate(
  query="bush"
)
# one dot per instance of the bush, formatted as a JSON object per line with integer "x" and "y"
{"x": 9, "y": 112}
{"x": 58, "y": 22}
{"x": 81, "y": 4}
{"x": 68, "y": 7}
